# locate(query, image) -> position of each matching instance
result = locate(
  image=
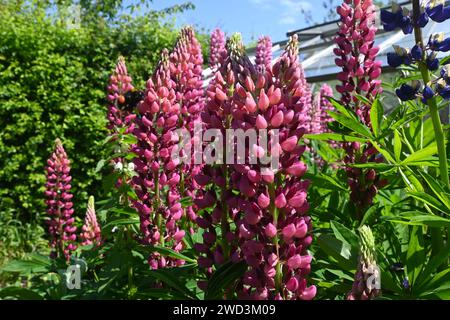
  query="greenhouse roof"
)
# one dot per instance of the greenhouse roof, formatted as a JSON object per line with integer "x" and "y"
{"x": 316, "y": 46}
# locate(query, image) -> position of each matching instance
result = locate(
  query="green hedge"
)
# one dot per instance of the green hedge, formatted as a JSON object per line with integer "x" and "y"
{"x": 52, "y": 84}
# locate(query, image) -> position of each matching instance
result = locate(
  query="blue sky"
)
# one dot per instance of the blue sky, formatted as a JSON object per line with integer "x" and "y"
{"x": 250, "y": 17}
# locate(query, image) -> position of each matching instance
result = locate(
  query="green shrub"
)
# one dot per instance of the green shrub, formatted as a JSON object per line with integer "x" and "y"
{"x": 52, "y": 81}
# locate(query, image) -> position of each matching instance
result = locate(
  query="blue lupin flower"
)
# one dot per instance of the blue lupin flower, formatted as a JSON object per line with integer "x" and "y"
{"x": 443, "y": 88}
{"x": 405, "y": 283}
{"x": 391, "y": 20}
{"x": 406, "y": 25}
{"x": 398, "y": 57}
{"x": 428, "y": 93}
{"x": 417, "y": 52}
{"x": 397, "y": 18}
{"x": 445, "y": 93}
{"x": 445, "y": 73}
{"x": 408, "y": 92}
{"x": 394, "y": 60}
{"x": 423, "y": 19}
{"x": 438, "y": 43}
{"x": 437, "y": 11}
{"x": 432, "y": 62}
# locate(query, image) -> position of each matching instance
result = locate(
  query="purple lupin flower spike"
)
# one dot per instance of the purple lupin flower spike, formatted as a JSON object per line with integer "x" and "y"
{"x": 59, "y": 203}
{"x": 274, "y": 230}
{"x": 356, "y": 56}
{"x": 156, "y": 183}
{"x": 119, "y": 85}
{"x": 217, "y": 48}
{"x": 263, "y": 56}
{"x": 187, "y": 61}
{"x": 218, "y": 115}
{"x": 91, "y": 233}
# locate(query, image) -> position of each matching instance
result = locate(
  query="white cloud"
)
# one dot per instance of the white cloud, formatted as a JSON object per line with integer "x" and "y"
{"x": 290, "y": 11}
{"x": 287, "y": 20}
{"x": 264, "y": 4}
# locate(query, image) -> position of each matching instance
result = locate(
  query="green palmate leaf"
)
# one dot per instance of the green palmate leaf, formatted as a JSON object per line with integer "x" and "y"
{"x": 442, "y": 277}
{"x": 376, "y": 116}
{"x": 27, "y": 266}
{"x": 384, "y": 152}
{"x": 124, "y": 211}
{"x": 40, "y": 259}
{"x": 338, "y": 128}
{"x": 395, "y": 124}
{"x": 388, "y": 281}
{"x": 421, "y": 220}
{"x": 120, "y": 222}
{"x": 438, "y": 286}
{"x": 427, "y": 162}
{"x": 430, "y": 200}
{"x": 409, "y": 79}
{"x": 344, "y": 234}
{"x": 368, "y": 215}
{"x": 363, "y": 99}
{"x": 328, "y": 153}
{"x": 351, "y": 123}
{"x": 410, "y": 180}
{"x": 170, "y": 278}
{"x": 444, "y": 60}
{"x": 339, "y": 250}
{"x": 340, "y": 274}
{"x": 342, "y": 109}
{"x": 374, "y": 165}
{"x": 432, "y": 265}
{"x": 19, "y": 293}
{"x": 421, "y": 154}
{"x": 437, "y": 189}
{"x": 325, "y": 181}
{"x": 223, "y": 279}
{"x": 415, "y": 256}
{"x": 171, "y": 253}
{"x": 108, "y": 281}
{"x": 397, "y": 145}
{"x": 334, "y": 137}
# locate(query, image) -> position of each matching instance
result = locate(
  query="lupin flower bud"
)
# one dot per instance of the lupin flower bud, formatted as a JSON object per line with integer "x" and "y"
{"x": 59, "y": 203}
{"x": 367, "y": 278}
{"x": 263, "y": 56}
{"x": 91, "y": 233}
{"x": 326, "y": 92}
{"x": 319, "y": 118}
{"x": 216, "y": 48}
{"x": 120, "y": 113}
{"x": 315, "y": 113}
